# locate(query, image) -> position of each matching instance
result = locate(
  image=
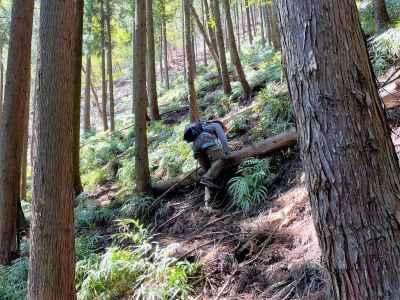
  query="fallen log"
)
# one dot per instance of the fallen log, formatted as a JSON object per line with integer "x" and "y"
{"x": 269, "y": 146}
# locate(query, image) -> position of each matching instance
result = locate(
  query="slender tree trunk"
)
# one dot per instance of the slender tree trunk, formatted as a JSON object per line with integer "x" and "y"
{"x": 275, "y": 35}
{"x": 238, "y": 26}
{"x": 88, "y": 79}
{"x": 268, "y": 24}
{"x": 51, "y": 266}
{"x": 221, "y": 48}
{"x": 194, "y": 48}
{"x": 151, "y": 64}
{"x": 382, "y": 19}
{"x": 194, "y": 109}
{"x": 110, "y": 65}
{"x": 211, "y": 30}
{"x": 233, "y": 49}
{"x": 262, "y": 25}
{"x": 1, "y": 81}
{"x": 86, "y": 116}
{"x": 12, "y": 127}
{"x": 24, "y": 162}
{"x": 213, "y": 51}
{"x": 77, "y": 77}
{"x": 204, "y": 40}
{"x": 133, "y": 71}
{"x": 103, "y": 66}
{"x": 253, "y": 19}
{"x": 242, "y": 17}
{"x": 184, "y": 42}
{"x": 346, "y": 147}
{"x": 165, "y": 43}
{"x": 161, "y": 53}
{"x": 141, "y": 157}
{"x": 249, "y": 30}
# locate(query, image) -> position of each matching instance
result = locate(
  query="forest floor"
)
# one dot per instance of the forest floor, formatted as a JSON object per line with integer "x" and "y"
{"x": 270, "y": 251}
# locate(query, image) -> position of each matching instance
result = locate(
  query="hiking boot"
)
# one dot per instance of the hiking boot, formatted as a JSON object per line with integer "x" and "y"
{"x": 208, "y": 183}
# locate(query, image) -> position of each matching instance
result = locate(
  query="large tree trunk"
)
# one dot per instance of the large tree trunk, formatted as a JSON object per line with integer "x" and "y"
{"x": 51, "y": 268}
{"x": 141, "y": 148}
{"x": 77, "y": 77}
{"x": 110, "y": 66}
{"x": 221, "y": 48}
{"x": 103, "y": 66}
{"x": 194, "y": 109}
{"x": 352, "y": 171}
{"x": 382, "y": 19}
{"x": 233, "y": 50}
{"x": 151, "y": 64}
{"x": 12, "y": 127}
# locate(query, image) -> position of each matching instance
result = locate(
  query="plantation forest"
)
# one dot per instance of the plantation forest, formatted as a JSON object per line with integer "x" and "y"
{"x": 199, "y": 149}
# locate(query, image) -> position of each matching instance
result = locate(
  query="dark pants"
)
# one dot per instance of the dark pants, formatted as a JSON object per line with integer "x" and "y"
{"x": 208, "y": 159}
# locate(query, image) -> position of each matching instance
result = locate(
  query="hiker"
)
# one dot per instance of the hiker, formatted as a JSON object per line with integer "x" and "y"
{"x": 209, "y": 146}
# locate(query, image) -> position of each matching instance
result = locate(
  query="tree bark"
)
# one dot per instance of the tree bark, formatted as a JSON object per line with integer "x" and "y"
{"x": 262, "y": 24}
{"x": 194, "y": 109}
{"x": 204, "y": 40}
{"x": 77, "y": 77}
{"x": 249, "y": 30}
{"x": 103, "y": 66}
{"x": 151, "y": 64}
{"x": 165, "y": 44}
{"x": 233, "y": 50}
{"x": 184, "y": 41}
{"x": 211, "y": 30}
{"x": 267, "y": 19}
{"x": 110, "y": 66}
{"x": 133, "y": 73}
{"x": 1, "y": 81}
{"x": 12, "y": 127}
{"x": 141, "y": 148}
{"x": 382, "y": 19}
{"x": 51, "y": 267}
{"x": 86, "y": 116}
{"x": 88, "y": 79}
{"x": 221, "y": 48}
{"x": 352, "y": 170}
{"x": 213, "y": 51}
{"x": 275, "y": 35}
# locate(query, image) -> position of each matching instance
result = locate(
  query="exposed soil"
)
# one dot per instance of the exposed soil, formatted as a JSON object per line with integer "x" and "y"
{"x": 270, "y": 252}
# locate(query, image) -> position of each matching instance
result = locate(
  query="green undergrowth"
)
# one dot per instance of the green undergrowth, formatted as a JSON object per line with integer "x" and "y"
{"x": 115, "y": 254}
{"x": 248, "y": 187}
{"x": 367, "y": 14}
{"x": 385, "y": 50}
{"x": 133, "y": 265}
{"x": 272, "y": 114}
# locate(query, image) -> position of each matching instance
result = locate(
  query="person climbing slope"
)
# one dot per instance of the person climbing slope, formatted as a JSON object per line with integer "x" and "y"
{"x": 209, "y": 146}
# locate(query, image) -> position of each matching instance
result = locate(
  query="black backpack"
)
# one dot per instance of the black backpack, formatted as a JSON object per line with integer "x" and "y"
{"x": 192, "y": 131}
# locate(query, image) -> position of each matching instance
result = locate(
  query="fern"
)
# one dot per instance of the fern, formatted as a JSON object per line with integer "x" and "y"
{"x": 248, "y": 188}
